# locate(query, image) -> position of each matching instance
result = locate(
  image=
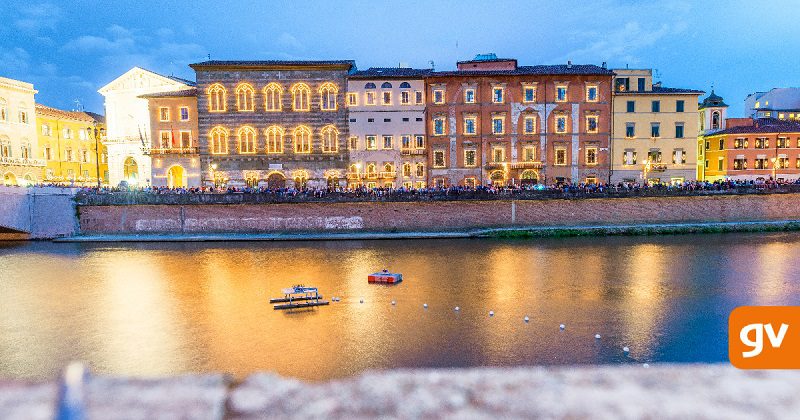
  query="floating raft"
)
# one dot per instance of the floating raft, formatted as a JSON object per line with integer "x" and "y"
{"x": 299, "y": 297}
{"x": 301, "y": 304}
{"x": 385, "y": 277}
{"x": 292, "y": 299}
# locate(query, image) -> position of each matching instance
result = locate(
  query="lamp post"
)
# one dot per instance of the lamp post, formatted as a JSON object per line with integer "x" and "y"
{"x": 95, "y": 132}
{"x": 213, "y": 168}
{"x": 774, "y": 167}
{"x": 645, "y": 169}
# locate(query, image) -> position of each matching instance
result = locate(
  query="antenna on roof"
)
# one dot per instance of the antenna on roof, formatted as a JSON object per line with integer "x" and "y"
{"x": 432, "y": 64}
{"x": 209, "y": 57}
{"x": 78, "y": 106}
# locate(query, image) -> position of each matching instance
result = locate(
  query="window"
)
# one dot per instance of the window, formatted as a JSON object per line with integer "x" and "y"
{"x": 655, "y": 106}
{"x": 561, "y": 94}
{"x": 591, "y": 94}
{"x": 370, "y": 120}
{"x": 470, "y": 125}
{"x": 497, "y": 125}
{"x": 438, "y": 126}
{"x": 719, "y": 164}
{"x": 498, "y": 94}
{"x": 631, "y": 106}
{"x": 82, "y": 134}
{"x": 184, "y": 113}
{"x": 387, "y": 98}
{"x": 46, "y": 130}
{"x": 762, "y": 143}
{"x": 591, "y": 124}
{"x": 761, "y": 163}
{"x": 244, "y": 97}
{"x": 418, "y": 97}
{"x": 438, "y": 96}
{"x": 163, "y": 114}
{"x": 352, "y": 99}
{"x": 85, "y": 158}
{"x": 655, "y": 130}
{"x": 405, "y": 142}
{"x": 330, "y": 139}
{"x": 529, "y": 154}
{"x": 353, "y": 143}
{"x": 166, "y": 139}
{"x": 469, "y": 96}
{"x": 529, "y": 94}
{"x": 273, "y": 97}
{"x": 370, "y": 98}
{"x": 629, "y": 157}
{"x": 679, "y": 106}
{"x": 219, "y": 141}
{"x": 438, "y": 158}
{"x": 740, "y": 143}
{"x": 630, "y": 130}
{"x": 68, "y": 156}
{"x": 247, "y": 140}
{"x": 23, "y": 117}
{"x": 66, "y": 133}
{"x": 640, "y": 85}
{"x": 678, "y": 130}
{"x": 302, "y": 139}
{"x": 328, "y": 93}
{"x": 715, "y": 116}
{"x": 406, "y": 170}
{"x": 561, "y": 156}
{"x": 420, "y": 169}
{"x": 561, "y": 124}
{"x": 470, "y": 158}
{"x": 301, "y": 99}
{"x": 186, "y": 139}
{"x": 372, "y": 142}
{"x": 388, "y": 142}
{"x": 591, "y": 156}
{"x": 783, "y": 143}
{"x": 48, "y": 152}
{"x": 739, "y": 164}
{"x": 372, "y": 173}
{"x": 498, "y": 154}
{"x": 3, "y": 110}
{"x": 216, "y": 98}
{"x": 387, "y": 120}
{"x": 419, "y": 142}
{"x": 529, "y": 124}
{"x": 405, "y": 97}
{"x": 275, "y": 140}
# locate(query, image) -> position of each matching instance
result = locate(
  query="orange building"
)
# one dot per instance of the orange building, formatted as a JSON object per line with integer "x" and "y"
{"x": 754, "y": 150}
{"x": 494, "y": 122}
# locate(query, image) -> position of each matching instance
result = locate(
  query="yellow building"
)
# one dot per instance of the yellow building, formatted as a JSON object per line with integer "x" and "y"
{"x": 655, "y": 128}
{"x": 72, "y": 145}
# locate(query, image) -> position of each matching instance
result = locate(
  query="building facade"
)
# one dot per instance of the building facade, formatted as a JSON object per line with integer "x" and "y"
{"x": 71, "y": 143}
{"x": 274, "y": 124}
{"x": 713, "y": 116}
{"x": 20, "y": 161}
{"x": 777, "y": 103}
{"x": 754, "y": 150}
{"x": 128, "y": 128}
{"x": 387, "y": 128}
{"x": 494, "y": 122}
{"x": 174, "y": 154}
{"x": 655, "y": 130}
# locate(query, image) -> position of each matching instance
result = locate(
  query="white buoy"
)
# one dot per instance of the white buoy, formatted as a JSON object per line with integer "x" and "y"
{"x": 362, "y": 301}
{"x": 526, "y": 319}
{"x": 562, "y": 326}
{"x": 597, "y": 336}
{"x": 457, "y": 309}
{"x": 491, "y": 313}
{"x": 425, "y": 305}
{"x": 394, "y": 303}
{"x": 645, "y": 365}
{"x": 626, "y": 349}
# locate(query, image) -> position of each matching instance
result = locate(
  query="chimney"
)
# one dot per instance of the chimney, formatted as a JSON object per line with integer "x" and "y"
{"x": 604, "y": 65}
{"x": 569, "y": 64}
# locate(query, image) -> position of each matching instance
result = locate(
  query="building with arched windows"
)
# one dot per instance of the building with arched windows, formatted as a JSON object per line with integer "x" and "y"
{"x": 387, "y": 128}
{"x": 713, "y": 116}
{"x": 21, "y": 162}
{"x": 273, "y": 123}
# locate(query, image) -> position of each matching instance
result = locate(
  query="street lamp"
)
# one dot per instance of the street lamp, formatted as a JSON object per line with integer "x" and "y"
{"x": 95, "y": 132}
{"x": 645, "y": 169}
{"x": 774, "y": 167}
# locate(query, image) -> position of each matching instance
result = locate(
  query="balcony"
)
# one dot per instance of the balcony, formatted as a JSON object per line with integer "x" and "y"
{"x": 525, "y": 165}
{"x": 387, "y": 175}
{"x": 123, "y": 139}
{"x": 658, "y": 167}
{"x": 22, "y": 161}
{"x": 172, "y": 151}
{"x": 353, "y": 176}
{"x": 412, "y": 152}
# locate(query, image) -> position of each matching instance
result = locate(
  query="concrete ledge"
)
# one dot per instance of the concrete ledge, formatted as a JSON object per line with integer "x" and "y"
{"x": 613, "y": 392}
{"x": 505, "y": 232}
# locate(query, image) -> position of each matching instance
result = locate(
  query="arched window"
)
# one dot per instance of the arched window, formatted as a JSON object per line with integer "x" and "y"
{"x": 420, "y": 170}
{"x": 301, "y": 97}
{"x": 405, "y": 85}
{"x": 354, "y": 168}
{"x": 386, "y": 85}
{"x": 407, "y": 170}
{"x": 327, "y": 96}
{"x": 247, "y": 140}
{"x": 3, "y": 110}
{"x": 25, "y": 148}
{"x": 5, "y": 147}
{"x": 244, "y": 97}
{"x": 715, "y": 120}
{"x": 330, "y": 139}
{"x": 273, "y": 94}
{"x": 274, "y": 139}
{"x": 302, "y": 139}
{"x": 218, "y": 139}
{"x": 371, "y": 172}
{"x": 369, "y": 85}
{"x": 388, "y": 168}
{"x": 216, "y": 98}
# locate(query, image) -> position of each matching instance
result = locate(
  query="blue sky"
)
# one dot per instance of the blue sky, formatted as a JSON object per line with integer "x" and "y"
{"x": 69, "y": 49}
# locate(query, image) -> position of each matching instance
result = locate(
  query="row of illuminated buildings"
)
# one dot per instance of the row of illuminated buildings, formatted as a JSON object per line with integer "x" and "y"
{"x": 326, "y": 123}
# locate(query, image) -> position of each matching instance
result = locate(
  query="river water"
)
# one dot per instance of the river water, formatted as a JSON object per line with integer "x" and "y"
{"x": 170, "y": 308}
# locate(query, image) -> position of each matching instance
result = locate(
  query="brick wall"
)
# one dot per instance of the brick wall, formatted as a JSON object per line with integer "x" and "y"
{"x": 433, "y": 216}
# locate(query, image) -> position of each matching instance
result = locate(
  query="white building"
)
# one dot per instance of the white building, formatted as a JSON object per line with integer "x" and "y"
{"x": 387, "y": 128}
{"x": 20, "y": 160}
{"x": 128, "y": 122}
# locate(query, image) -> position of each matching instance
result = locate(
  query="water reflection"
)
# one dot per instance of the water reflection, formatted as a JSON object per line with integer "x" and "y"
{"x": 148, "y": 309}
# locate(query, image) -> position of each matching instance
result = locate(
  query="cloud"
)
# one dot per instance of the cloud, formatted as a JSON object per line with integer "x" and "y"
{"x": 14, "y": 62}
{"x": 622, "y": 44}
{"x": 289, "y": 41}
{"x": 37, "y": 17}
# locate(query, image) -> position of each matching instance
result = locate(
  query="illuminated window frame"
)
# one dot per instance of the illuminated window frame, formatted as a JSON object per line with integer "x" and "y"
{"x": 474, "y": 163}
{"x": 405, "y": 97}
{"x": 218, "y": 141}
{"x": 566, "y": 121}
{"x": 588, "y": 154}
{"x": 302, "y": 140}
{"x": 273, "y": 97}
{"x": 532, "y": 119}
{"x": 165, "y": 137}
{"x": 502, "y": 91}
{"x": 502, "y": 120}
{"x": 248, "y": 140}
{"x": 474, "y": 120}
{"x": 386, "y": 98}
{"x": 525, "y": 152}
{"x": 438, "y": 96}
{"x": 163, "y": 114}
{"x": 353, "y": 143}
{"x": 556, "y": 152}
{"x": 419, "y": 141}
{"x": 419, "y": 170}
{"x": 566, "y": 93}
{"x": 498, "y": 157}
{"x": 419, "y": 97}
{"x": 301, "y": 97}
{"x": 443, "y": 121}
{"x": 274, "y": 138}
{"x": 596, "y": 93}
{"x": 441, "y": 153}
{"x": 407, "y": 170}
{"x": 328, "y": 95}
{"x": 525, "y": 90}
{"x": 371, "y": 142}
{"x": 217, "y": 98}
{"x": 352, "y": 99}
{"x": 245, "y": 95}
{"x": 466, "y": 96}
{"x": 330, "y": 139}
{"x": 596, "y": 119}
{"x": 384, "y": 142}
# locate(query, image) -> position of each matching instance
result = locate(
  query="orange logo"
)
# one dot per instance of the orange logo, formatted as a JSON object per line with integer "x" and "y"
{"x": 764, "y": 337}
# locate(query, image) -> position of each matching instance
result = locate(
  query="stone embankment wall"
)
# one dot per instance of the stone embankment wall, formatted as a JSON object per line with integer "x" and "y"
{"x": 433, "y": 216}
{"x": 37, "y": 213}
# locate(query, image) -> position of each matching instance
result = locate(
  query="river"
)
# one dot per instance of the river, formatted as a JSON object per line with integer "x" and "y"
{"x": 171, "y": 308}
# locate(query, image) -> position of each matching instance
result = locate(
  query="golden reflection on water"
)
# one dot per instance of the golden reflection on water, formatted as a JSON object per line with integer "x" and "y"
{"x": 171, "y": 308}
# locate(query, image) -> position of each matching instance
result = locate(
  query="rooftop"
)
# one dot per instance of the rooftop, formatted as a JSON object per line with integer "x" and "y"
{"x": 763, "y": 125}
{"x": 557, "y": 69}
{"x": 185, "y": 93}
{"x": 278, "y": 64}
{"x": 389, "y": 72}
{"x": 713, "y": 100}
{"x": 660, "y": 90}
{"x": 72, "y": 115}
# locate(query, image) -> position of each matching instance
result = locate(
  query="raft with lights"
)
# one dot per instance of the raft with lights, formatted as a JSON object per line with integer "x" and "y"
{"x": 385, "y": 277}
{"x": 299, "y": 296}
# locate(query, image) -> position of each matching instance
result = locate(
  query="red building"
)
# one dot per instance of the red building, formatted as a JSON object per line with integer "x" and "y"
{"x": 494, "y": 122}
